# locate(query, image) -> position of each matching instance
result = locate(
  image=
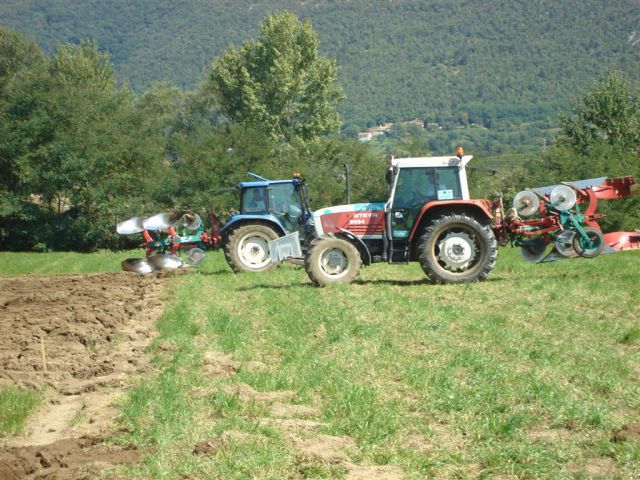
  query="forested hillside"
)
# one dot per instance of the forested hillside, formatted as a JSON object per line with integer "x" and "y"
{"x": 80, "y": 150}
{"x": 489, "y": 62}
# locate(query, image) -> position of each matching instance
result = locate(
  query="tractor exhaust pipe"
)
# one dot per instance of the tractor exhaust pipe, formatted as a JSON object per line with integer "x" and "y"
{"x": 348, "y": 183}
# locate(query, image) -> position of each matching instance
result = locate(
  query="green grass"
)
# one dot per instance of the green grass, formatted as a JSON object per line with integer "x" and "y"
{"x": 15, "y": 406}
{"x": 63, "y": 262}
{"x": 457, "y": 381}
{"x": 526, "y": 375}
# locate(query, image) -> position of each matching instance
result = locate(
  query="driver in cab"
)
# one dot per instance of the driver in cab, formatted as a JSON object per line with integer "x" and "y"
{"x": 256, "y": 201}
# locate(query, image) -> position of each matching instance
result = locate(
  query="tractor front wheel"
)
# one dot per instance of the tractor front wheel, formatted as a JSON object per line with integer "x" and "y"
{"x": 332, "y": 260}
{"x": 247, "y": 249}
{"x": 457, "y": 248}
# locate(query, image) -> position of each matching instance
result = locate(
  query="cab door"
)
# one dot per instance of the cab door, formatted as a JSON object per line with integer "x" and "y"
{"x": 413, "y": 188}
{"x": 285, "y": 204}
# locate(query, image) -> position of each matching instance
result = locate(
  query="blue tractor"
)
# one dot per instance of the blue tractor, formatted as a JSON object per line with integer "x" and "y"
{"x": 269, "y": 209}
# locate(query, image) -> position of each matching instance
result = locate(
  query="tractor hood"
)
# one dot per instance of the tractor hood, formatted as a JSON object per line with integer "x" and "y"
{"x": 361, "y": 219}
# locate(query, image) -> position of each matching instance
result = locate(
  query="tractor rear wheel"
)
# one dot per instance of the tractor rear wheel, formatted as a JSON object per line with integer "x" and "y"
{"x": 457, "y": 248}
{"x": 332, "y": 260}
{"x": 247, "y": 248}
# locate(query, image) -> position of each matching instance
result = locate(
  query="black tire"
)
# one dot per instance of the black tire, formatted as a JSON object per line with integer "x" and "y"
{"x": 588, "y": 251}
{"x": 247, "y": 248}
{"x": 470, "y": 253}
{"x": 332, "y": 260}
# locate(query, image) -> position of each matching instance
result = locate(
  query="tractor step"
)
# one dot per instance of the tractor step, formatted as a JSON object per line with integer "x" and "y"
{"x": 399, "y": 255}
{"x": 295, "y": 260}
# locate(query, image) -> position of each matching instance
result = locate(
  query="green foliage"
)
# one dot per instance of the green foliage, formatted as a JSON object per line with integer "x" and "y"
{"x": 77, "y": 151}
{"x": 609, "y": 113}
{"x": 17, "y": 54}
{"x": 278, "y": 83}
{"x": 444, "y": 61}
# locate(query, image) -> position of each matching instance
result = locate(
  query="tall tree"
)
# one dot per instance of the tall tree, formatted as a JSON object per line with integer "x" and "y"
{"x": 608, "y": 113}
{"x": 278, "y": 83}
{"x": 72, "y": 145}
{"x": 23, "y": 74}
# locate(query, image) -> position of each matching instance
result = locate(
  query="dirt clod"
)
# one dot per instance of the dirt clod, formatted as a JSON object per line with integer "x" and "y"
{"x": 246, "y": 393}
{"x": 67, "y": 459}
{"x": 284, "y": 410}
{"x": 549, "y": 434}
{"x": 594, "y": 468}
{"x": 218, "y": 364}
{"x": 630, "y": 431}
{"x": 207, "y": 447}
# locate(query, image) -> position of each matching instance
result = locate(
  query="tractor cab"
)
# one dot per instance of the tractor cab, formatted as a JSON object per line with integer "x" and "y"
{"x": 417, "y": 184}
{"x": 284, "y": 200}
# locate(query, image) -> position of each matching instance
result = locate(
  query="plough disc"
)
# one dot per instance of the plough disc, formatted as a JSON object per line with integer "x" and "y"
{"x": 131, "y": 226}
{"x": 165, "y": 262}
{"x": 534, "y": 251}
{"x": 563, "y": 198}
{"x": 526, "y": 203}
{"x": 136, "y": 265}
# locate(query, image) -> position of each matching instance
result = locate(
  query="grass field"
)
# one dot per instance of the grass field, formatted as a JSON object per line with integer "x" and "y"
{"x": 526, "y": 375}
{"x": 13, "y": 263}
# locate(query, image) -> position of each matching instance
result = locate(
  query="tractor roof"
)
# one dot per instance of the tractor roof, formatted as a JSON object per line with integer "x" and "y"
{"x": 451, "y": 161}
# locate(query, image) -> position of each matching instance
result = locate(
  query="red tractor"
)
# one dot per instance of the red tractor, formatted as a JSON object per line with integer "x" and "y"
{"x": 430, "y": 218}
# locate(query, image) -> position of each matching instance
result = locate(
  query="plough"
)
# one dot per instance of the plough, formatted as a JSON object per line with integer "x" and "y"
{"x": 566, "y": 220}
{"x": 167, "y": 237}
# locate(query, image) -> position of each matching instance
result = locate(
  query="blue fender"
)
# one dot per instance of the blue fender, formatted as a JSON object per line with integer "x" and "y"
{"x": 237, "y": 220}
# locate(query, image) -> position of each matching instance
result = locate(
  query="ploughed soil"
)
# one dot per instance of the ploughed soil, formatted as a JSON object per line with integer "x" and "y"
{"x": 78, "y": 339}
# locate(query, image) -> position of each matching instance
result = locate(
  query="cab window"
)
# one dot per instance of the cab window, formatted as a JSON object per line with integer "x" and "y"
{"x": 419, "y": 185}
{"x": 448, "y": 184}
{"x": 415, "y": 187}
{"x": 254, "y": 200}
{"x": 283, "y": 199}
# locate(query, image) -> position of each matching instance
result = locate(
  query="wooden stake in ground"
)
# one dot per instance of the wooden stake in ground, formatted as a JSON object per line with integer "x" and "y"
{"x": 43, "y": 353}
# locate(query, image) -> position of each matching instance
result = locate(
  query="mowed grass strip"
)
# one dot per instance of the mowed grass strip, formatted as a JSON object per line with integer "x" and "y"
{"x": 526, "y": 375}
{"x": 19, "y": 263}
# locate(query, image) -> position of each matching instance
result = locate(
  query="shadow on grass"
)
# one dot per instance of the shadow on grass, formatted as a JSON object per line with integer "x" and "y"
{"x": 401, "y": 283}
{"x": 217, "y": 272}
{"x": 390, "y": 281}
{"x": 423, "y": 281}
{"x": 275, "y": 287}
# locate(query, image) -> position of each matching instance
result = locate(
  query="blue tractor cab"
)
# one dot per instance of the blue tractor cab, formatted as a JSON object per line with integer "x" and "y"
{"x": 269, "y": 209}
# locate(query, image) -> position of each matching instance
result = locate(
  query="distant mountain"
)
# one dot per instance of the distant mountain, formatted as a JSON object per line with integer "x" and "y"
{"x": 471, "y": 61}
